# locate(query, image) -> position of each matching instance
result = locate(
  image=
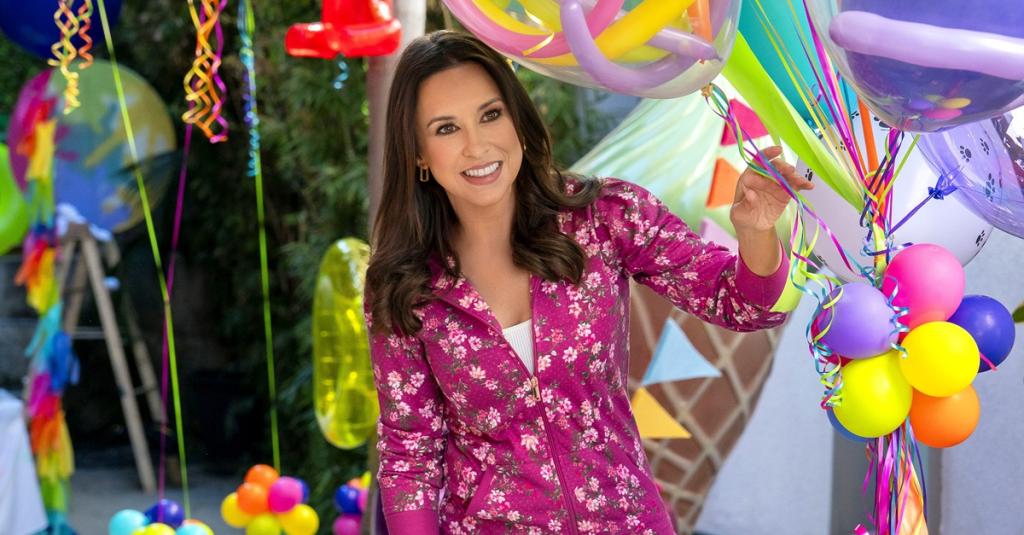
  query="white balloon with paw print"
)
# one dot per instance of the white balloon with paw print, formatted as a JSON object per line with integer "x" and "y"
{"x": 944, "y": 221}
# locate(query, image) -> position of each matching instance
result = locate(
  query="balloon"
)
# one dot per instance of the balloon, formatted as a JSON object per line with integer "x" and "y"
{"x": 13, "y": 210}
{"x": 985, "y": 161}
{"x": 166, "y": 511}
{"x": 301, "y": 520}
{"x": 928, "y": 280}
{"x": 946, "y": 222}
{"x": 31, "y": 25}
{"x": 844, "y": 432}
{"x": 860, "y": 319}
{"x": 365, "y": 480}
{"x": 284, "y": 494}
{"x": 232, "y": 514}
{"x": 252, "y": 498}
{"x": 352, "y": 28}
{"x": 126, "y": 521}
{"x": 757, "y": 31}
{"x": 344, "y": 395}
{"x": 991, "y": 326}
{"x": 305, "y": 491}
{"x": 926, "y": 65}
{"x": 942, "y": 358}
{"x": 194, "y": 527}
{"x": 656, "y": 49}
{"x": 876, "y": 396}
{"x": 364, "y": 496}
{"x": 945, "y": 422}
{"x": 158, "y": 528}
{"x": 88, "y": 149}
{"x": 346, "y": 499}
{"x": 263, "y": 524}
{"x": 347, "y": 525}
{"x": 262, "y": 475}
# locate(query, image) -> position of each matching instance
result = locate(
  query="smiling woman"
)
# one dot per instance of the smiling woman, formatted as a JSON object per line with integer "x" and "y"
{"x": 497, "y": 302}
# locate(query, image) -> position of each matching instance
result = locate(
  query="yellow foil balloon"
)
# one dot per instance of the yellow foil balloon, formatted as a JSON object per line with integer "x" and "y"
{"x": 299, "y": 520}
{"x": 263, "y": 524}
{"x": 159, "y": 529}
{"x": 232, "y": 514}
{"x": 876, "y": 396}
{"x": 344, "y": 396}
{"x": 942, "y": 358}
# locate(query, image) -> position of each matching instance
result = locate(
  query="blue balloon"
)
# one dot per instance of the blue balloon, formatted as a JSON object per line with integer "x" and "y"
{"x": 305, "y": 490}
{"x": 192, "y": 529}
{"x": 167, "y": 512}
{"x": 346, "y": 499}
{"x": 789, "y": 35}
{"x": 126, "y": 521}
{"x": 31, "y": 25}
{"x": 842, "y": 430}
{"x": 991, "y": 325}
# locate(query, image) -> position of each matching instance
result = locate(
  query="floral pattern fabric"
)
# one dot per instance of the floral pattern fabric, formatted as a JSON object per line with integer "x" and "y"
{"x": 471, "y": 443}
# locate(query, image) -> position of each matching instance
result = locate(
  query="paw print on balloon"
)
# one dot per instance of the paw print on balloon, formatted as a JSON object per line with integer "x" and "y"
{"x": 990, "y": 188}
{"x": 965, "y": 153}
{"x": 808, "y": 174}
{"x": 980, "y": 240}
{"x": 984, "y": 146}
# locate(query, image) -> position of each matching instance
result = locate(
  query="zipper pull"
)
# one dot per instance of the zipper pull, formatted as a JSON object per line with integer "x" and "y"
{"x": 536, "y": 387}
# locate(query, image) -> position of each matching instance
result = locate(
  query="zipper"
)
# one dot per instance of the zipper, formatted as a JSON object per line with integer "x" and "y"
{"x": 566, "y": 495}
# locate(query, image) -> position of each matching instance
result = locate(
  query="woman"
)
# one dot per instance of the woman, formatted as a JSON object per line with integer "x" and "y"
{"x": 497, "y": 300}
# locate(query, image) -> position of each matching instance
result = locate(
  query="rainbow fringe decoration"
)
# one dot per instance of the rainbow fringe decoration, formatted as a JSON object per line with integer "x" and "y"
{"x": 53, "y": 364}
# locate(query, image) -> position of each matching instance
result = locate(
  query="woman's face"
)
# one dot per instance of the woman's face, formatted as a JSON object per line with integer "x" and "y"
{"x": 467, "y": 138}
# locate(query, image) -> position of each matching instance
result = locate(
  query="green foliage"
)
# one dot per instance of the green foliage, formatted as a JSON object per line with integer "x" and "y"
{"x": 314, "y": 155}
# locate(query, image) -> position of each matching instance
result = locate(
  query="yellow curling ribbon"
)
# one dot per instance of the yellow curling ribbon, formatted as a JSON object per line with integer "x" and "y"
{"x": 200, "y": 88}
{"x": 64, "y": 53}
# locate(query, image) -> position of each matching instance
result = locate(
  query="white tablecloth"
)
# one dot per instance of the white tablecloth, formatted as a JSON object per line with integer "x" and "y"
{"x": 21, "y": 507}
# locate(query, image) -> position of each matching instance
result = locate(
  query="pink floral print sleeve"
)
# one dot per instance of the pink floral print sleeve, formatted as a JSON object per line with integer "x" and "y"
{"x": 471, "y": 443}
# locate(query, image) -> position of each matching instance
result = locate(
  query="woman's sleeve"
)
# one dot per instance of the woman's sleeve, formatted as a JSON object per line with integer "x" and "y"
{"x": 411, "y": 433}
{"x": 658, "y": 250}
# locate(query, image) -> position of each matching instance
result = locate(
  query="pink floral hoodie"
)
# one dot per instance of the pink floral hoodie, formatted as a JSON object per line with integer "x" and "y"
{"x": 471, "y": 442}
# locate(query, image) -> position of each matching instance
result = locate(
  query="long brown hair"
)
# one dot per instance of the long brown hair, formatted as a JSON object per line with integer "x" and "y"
{"x": 416, "y": 219}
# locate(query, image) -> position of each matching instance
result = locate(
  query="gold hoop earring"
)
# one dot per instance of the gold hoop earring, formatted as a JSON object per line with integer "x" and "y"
{"x": 424, "y": 174}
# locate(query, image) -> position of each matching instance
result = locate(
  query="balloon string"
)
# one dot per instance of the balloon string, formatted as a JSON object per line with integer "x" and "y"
{"x": 64, "y": 53}
{"x": 247, "y": 28}
{"x": 202, "y": 82}
{"x": 85, "y": 21}
{"x": 155, "y": 248}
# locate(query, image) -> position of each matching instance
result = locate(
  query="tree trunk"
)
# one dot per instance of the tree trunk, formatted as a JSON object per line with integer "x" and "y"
{"x": 380, "y": 71}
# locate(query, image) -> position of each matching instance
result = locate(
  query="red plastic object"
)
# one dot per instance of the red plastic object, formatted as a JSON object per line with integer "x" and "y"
{"x": 351, "y": 28}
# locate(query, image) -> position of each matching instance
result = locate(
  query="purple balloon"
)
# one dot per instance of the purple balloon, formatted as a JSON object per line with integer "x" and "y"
{"x": 347, "y": 524}
{"x": 985, "y": 161}
{"x": 991, "y": 326}
{"x": 928, "y": 65}
{"x": 167, "y": 512}
{"x": 861, "y": 321}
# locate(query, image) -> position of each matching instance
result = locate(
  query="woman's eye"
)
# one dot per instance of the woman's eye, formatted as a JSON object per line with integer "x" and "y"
{"x": 491, "y": 115}
{"x": 446, "y": 129}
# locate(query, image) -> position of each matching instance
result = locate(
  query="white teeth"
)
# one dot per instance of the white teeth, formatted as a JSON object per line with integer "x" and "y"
{"x": 483, "y": 171}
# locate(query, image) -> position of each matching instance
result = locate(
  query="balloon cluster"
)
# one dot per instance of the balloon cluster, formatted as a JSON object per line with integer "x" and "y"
{"x": 351, "y": 28}
{"x": 165, "y": 517}
{"x": 267, "y": 503}
{"x": 350, "y": 501}
{"x": 912, "y": 348}
{"x": 648, "y": 48}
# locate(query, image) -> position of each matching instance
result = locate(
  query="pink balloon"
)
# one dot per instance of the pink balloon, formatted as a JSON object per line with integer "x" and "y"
{"x": 284, "y": 494}
{"x": 928, "y": 280}
{"x": 363, "y": 496}
{"x": 347, "y": 525}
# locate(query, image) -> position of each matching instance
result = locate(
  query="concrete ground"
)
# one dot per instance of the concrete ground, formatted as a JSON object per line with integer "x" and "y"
{"x": 99, "y": 492}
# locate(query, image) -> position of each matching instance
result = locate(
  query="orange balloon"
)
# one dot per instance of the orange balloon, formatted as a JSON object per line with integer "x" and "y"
{"x": 252, "y": 498}
{"x": 262, "y": 475}
{"x": 944, "y": 422}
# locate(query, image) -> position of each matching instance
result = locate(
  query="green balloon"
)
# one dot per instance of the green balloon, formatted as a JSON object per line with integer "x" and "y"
{"x": 13, "y": 208}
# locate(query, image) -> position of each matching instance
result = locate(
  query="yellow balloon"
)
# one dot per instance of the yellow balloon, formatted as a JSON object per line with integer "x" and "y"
{"x": 203, "y": 527}
{"x": 364, "y": 480}
{"x": 300, "y": 520}
{"x": 942, "y": 358}
{"x": 159, "y": 529}
{"x": 876, "y": 396}
{"x": 232, "y": 514}
{"x": 263, "y": 524}
{"x": 344, "y": 396}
